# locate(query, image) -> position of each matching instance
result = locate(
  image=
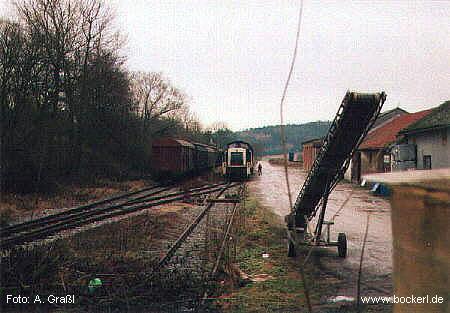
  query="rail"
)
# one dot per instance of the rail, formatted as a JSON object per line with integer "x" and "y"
{"x": 41, "y": 228}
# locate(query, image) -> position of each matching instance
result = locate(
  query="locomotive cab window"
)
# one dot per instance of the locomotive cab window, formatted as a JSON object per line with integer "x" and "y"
{"x": 236, "y": 158}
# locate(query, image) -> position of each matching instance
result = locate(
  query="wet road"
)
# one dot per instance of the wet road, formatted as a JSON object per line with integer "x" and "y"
{"x": 271, "y": 190}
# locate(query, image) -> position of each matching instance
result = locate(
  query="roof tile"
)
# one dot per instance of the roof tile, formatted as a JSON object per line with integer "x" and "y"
{"x": 386, "y": 134}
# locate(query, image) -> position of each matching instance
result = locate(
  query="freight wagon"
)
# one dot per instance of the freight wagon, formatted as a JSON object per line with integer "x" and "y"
{"x": 177, "y": 157}
{"x": 172, "y": 157}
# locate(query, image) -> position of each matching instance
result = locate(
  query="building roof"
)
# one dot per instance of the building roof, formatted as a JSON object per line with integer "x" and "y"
{"x": 387, "y": 116}
{"x": 397, "y": 110}
{"x": 239, "y": 143}
{"x": 314, "y": 140}
{"x": 171, "y": 142}
{"x": 386, "y": 134}
{"x": 200, "y": 146}
{"x": 439, "y": 117}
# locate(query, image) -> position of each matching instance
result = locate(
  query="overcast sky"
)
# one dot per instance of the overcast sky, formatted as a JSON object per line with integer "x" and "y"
{"x": 232, "y": 57}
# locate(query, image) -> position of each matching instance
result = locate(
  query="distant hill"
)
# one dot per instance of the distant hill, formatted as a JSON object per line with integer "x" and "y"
{"x": 266, "y": 140}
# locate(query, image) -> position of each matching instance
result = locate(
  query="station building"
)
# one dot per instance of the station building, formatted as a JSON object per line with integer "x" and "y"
{"x": 421, "y": 136}
{"x": 353, "y": 172}
{"x": 374, "y": 153}
{"x": 429, "y": 136}
{"x": 310, "y": 148}
{"x": 375, "y": 150}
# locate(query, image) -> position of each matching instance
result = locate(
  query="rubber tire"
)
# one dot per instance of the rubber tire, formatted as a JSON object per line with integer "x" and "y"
{"x": 342, "y": 245}
{"x": 292, "y": 252}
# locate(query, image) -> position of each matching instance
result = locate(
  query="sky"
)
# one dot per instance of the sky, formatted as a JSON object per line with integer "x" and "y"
{"x": 232, "y": 57}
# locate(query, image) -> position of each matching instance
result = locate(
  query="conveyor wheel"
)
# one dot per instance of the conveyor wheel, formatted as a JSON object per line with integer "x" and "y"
{"x": 292, "y": 252}
{"x": 342, "y": 245}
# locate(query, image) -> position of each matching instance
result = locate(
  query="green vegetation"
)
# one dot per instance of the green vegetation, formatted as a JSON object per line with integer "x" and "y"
{"x": 282, "y": 288}
{"x": 266, "y": 140}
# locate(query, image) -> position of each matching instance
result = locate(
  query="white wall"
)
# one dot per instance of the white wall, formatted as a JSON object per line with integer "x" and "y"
{"x": 432, "y": 143}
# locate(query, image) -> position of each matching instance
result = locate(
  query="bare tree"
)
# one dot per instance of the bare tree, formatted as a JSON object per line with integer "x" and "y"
{"x": 217, "y": 126}
{"x": 154, "y": 95}
{"x": 11, "y": 55}
{"x": 50, "y": 100}
{"x": 155, "y": 99}
{"x": 68, "y": 106}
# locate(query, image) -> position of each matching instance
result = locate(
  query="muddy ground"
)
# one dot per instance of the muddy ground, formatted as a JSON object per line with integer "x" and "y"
{"x": 270, "y": 189}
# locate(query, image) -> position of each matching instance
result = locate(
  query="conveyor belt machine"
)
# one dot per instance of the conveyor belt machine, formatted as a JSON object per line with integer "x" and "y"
{"x": 355, "y": 116}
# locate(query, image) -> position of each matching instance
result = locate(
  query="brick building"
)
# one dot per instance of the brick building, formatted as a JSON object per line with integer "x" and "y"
{"x": 310, "y": 149}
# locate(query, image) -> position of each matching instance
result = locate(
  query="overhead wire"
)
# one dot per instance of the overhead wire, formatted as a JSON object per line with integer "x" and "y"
{"x": 283, "y": 142}
{"x": 283, "y": 97}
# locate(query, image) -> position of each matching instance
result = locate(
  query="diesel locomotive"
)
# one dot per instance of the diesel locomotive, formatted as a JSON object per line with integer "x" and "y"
{"x": 238, "y": 160}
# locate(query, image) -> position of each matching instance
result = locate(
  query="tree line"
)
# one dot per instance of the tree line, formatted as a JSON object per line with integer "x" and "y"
{"x": 70, "y": 109}
{"x": 267, "y": 140}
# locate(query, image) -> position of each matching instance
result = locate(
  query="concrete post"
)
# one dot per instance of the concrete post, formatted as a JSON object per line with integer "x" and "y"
{"x": 420, "y": 204}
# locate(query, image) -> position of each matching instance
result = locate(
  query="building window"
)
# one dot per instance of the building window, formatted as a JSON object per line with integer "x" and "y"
{"x": 427, "y": 162}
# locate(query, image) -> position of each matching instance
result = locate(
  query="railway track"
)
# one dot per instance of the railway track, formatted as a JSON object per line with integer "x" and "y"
{"x": 159, "y": 277}
{"x": 190, "y": 228}
{"x": 43, "y": 227}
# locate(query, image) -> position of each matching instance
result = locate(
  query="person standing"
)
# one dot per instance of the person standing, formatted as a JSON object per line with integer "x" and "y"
{"x": 259, "y": 169}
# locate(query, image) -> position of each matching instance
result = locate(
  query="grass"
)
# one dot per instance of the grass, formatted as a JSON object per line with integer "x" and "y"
{"x": 264, "y": 232}
{"x": 115, "y": 252}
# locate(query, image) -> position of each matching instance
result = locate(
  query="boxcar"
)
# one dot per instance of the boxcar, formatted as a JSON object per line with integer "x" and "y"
{"x": 173, "y": 156}
{"x": 201, "y": 157}
{"x": 212, "y": 156}
{"x": 219, "y": 158}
